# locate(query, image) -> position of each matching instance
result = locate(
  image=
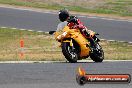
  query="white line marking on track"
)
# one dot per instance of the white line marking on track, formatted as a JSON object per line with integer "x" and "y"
{"x": 41, "y": 31}
{"x": 30, "y": 30}
{"x": 111, "y": 40}
{"x": 92, "y": 17}
{"x": 81, "y": 16}
{"x": 130, "y": 42}
{"x": 47, "y": 32}
{"x": 3, "y": 27}
{"x": 22, "y": 29}
{"x": 62, "y": 61}
{"x": 110, "y": 19}
{"x": 105, "y": 60}
{"x": 13, "y": 28}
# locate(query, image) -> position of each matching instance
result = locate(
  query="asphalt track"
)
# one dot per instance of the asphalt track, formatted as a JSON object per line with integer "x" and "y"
{"x": 42, "y": 21}
{"x": 58, "y": 75}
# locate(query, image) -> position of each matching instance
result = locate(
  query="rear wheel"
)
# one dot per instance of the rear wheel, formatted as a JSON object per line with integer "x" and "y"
{"x": 97, "y": 55}
{"x": 69, "y": 52}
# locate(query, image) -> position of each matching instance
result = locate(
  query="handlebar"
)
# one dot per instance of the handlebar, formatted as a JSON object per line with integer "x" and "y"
{"x": 96, "y": 33}
{"x": 51, "y": 32}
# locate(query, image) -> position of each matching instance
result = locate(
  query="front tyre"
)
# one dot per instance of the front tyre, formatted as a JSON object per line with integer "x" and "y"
{"x": 97, "y": 55}
{"x": 69, "y": 52}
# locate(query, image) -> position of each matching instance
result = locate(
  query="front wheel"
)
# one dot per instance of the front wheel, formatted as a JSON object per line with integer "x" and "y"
{"x": 69, "y": 52}
{"x": 97, "y": 55}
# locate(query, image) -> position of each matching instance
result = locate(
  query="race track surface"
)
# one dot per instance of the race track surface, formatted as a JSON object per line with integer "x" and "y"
{"x": 58, "y": 75}
{"x": 108, "y": 29}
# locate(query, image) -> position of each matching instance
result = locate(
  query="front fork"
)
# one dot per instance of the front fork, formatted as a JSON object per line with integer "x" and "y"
{"x": 71, "y": 44}
{"x": 72, "y": 48}
{"x": 93, "y": 42}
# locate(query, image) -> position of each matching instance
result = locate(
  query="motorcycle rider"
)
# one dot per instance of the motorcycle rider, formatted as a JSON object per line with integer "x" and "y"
{"x": 74, "y": 23}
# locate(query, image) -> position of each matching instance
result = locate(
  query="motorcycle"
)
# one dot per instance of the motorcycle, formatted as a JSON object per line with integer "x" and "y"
{"x": 76, "y": 47}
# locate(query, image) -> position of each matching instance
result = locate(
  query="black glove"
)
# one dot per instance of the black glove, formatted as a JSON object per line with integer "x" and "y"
{"x": 72, "y": 19}
{"x": 87, "y": 33}
{"x": 51, "y": 32}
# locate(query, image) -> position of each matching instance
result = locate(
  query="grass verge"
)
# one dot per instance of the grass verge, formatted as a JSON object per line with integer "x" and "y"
{"x": 118, "y": 7}
{"x": 41, "y": 47}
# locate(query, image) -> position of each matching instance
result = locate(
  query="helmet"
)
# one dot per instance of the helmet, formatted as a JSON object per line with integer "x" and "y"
{"x": 63, "y": 15}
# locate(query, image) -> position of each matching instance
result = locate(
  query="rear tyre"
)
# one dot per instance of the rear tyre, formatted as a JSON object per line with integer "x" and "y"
{"x": 69, "y": 53}
{"x": 97, "y": 55}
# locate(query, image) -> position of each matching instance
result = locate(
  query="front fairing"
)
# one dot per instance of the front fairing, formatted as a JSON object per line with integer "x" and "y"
{"x": 77, "y": 36}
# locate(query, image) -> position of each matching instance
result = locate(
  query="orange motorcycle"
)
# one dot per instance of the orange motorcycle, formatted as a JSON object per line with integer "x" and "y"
{"x": 76, "y": 47}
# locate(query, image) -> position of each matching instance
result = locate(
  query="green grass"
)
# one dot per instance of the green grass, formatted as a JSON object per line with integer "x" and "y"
{"x": 37, "y": 46}
{"x": 117, "y": 50}
{"x": 121, "y": 7}
{"x": 118, "y": 7}
{"x": 31, "y": 4}
{"x": 41, "y": 46}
